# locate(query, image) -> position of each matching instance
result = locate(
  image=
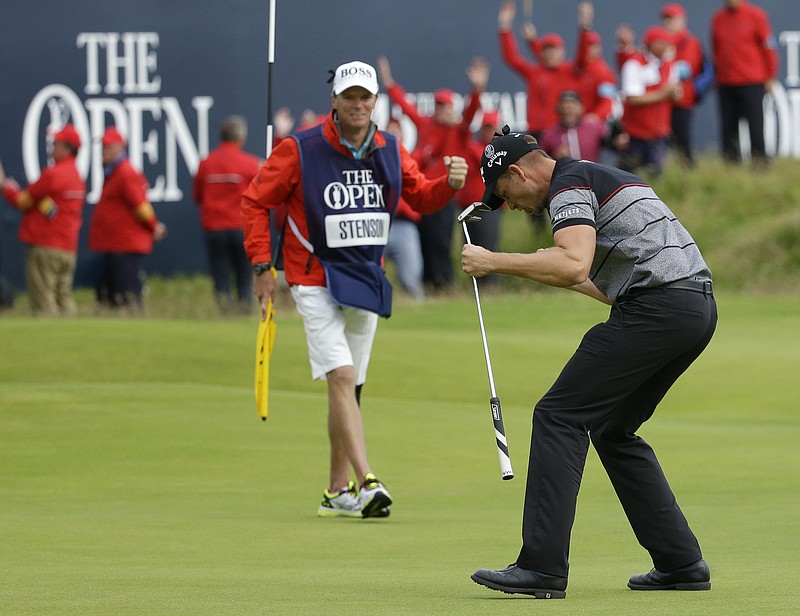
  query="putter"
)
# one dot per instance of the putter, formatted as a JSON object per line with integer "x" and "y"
{"x": 468, "y": 215}
{"x": 506, "y": 472}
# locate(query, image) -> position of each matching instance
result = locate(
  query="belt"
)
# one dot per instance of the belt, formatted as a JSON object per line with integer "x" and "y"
{"x": 688, "y": 284}
{"x": 698, "y": 286}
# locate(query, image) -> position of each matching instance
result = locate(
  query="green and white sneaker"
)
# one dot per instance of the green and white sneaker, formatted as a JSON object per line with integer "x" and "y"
{"x": 374, "y": 498}
{"x": 344, "y": 503}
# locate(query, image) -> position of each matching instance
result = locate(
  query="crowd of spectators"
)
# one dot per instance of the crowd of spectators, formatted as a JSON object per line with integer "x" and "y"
{"x": 632, "y": 115}
{"x": 647, "y": 104}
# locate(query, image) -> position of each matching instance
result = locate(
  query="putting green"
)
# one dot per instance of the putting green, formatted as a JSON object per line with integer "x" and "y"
{"x": 137, "y": 478}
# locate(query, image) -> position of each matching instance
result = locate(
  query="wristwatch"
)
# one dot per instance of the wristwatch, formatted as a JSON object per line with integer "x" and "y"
{"x": 260, "y": 268}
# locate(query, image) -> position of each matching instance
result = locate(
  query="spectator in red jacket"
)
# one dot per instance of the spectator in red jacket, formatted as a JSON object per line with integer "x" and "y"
{"x": 626, "y": 45}
{"x": 123, "y": 227}
{"x": 689, "y": 55}
{"x": 545, "y": 79}
{"x": 52, "y": 213}
{"x": 438, "y": 135}
{"x": 575, "y": 134}
{"x": 217, "y": 189}
{"x": 595, "y": 81}
{"x": 588, "y": 75}
{"x": 746, "y": 63}
{"x": 650, "y": 84}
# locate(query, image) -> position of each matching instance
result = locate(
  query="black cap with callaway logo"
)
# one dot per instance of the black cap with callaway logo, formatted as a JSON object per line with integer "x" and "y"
{"x": 503, "y": 151}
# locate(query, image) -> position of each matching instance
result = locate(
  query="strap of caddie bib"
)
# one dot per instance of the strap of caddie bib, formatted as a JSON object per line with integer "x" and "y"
{"x": 293, "y": 226}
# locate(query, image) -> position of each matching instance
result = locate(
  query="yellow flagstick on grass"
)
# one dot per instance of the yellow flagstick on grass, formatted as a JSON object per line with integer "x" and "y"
{"x": 265, "y": 340}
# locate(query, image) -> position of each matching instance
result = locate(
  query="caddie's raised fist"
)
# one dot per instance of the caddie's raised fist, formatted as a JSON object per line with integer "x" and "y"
{"x": 457, "y": 168}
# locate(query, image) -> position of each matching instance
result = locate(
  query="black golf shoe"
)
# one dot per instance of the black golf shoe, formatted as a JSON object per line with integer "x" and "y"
{"x": 691, "y": 577}
{"x": 516, "y": 580}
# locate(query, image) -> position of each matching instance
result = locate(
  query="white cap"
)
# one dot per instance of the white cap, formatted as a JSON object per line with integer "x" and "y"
{"x": 355, "y": 74}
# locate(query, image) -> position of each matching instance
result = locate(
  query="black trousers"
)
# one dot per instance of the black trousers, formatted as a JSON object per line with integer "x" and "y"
{"x": 644, "y": 155}
{"x": 736, "y": 102}
{"x": 226, "y": 255}
{"x": 436, "y": 239}
{"x": 120, "y": 282}
{"x": 608, "y": 389}
{"x": 682, "y": 134}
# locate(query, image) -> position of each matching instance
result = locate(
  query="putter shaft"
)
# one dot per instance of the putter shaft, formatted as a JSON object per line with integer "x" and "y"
{"x": 506, "y": 471}
{"x": 480, "y": 320}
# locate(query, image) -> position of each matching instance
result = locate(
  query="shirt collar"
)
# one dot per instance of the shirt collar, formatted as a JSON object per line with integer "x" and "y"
{"x": 366, "y": 147}
{"x": 107, "y": 169}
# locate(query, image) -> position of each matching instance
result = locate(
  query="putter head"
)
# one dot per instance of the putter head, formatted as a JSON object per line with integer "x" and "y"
{"x": 468, "y": 215}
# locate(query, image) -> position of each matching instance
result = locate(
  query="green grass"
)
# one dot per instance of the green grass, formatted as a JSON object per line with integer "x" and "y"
{"x": 136, "y": 478}
{"x": 746, "y": 222}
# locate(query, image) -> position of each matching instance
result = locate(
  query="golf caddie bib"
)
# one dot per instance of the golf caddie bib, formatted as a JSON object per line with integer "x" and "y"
{"x": 349, "y": 207}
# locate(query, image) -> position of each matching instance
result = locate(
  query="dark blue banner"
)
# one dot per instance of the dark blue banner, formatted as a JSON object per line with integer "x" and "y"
{"x": 167, "y": 73}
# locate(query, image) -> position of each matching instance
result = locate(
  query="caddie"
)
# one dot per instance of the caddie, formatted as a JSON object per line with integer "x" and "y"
{"x": 341, "y": 181}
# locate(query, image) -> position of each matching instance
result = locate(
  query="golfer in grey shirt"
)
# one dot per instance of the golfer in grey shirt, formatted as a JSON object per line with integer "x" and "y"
{"x": 617, "y": 242}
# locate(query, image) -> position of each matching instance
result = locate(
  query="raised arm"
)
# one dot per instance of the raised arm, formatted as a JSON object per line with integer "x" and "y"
{"x": 478, "y": 74}
{"x": 398, "y": 95}
{"x": 508, "y": 44}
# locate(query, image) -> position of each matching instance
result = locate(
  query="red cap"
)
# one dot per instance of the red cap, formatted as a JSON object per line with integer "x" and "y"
{"x": 551, "y": 39}
{"x": 491, "y": 118}
{"x": 443, "y": 96}
{"x": 68, "y": 135}
{"x": 673, "y": 10}
{"x": 112, "y": 136}
{"x": 657, "y": 33}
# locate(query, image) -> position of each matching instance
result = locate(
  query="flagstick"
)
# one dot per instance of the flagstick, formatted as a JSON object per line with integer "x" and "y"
{"x": 266, "y": 328}
{"x": 270, "y": 62}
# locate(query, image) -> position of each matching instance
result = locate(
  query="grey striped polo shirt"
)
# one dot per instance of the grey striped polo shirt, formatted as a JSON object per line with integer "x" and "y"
{"x": 640, "y": 242}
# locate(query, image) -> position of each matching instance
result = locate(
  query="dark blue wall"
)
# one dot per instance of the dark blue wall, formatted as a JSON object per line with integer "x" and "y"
{"x": 217, "y": 51}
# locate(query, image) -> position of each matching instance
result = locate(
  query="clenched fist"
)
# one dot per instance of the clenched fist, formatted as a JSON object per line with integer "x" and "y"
{"x": 456, "y": 171}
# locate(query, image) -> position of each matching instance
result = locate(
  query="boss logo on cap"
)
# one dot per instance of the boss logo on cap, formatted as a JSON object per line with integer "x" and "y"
{"x": 354, "y": 71}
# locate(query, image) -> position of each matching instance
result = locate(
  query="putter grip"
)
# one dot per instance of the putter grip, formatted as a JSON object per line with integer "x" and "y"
{"x": 506, "y": 472}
